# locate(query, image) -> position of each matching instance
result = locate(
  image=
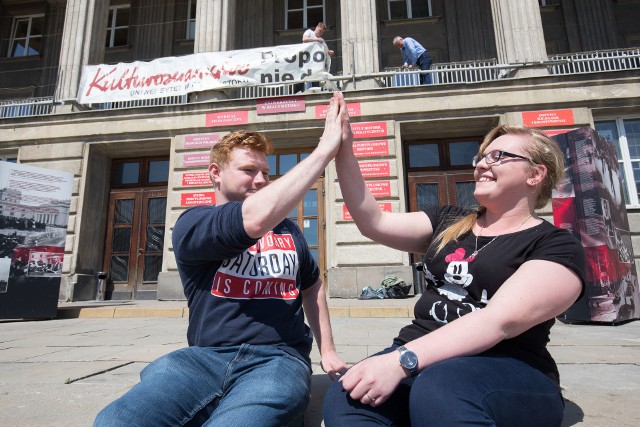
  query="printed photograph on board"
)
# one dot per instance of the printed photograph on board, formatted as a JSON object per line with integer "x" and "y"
{"x": 34, "y": 212}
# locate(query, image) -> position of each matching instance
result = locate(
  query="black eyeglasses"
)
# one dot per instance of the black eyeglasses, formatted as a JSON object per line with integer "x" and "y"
{"x": 495, "y": 156}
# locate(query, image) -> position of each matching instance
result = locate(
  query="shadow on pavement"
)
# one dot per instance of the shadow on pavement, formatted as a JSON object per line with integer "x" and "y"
{"x": 573, "y": 414}
{"x": 319, "y": 385}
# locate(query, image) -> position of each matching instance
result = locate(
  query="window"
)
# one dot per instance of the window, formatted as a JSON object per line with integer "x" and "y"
{"x": 625, "y": 136}
{"x": 118, "y": 26}
{"x": 26, "y": 36}
{"x": 191, "y": 20}
{"x": 10, "y": 159}
{"x": 407, "y": 9}
{"x": 283, "y": 162}
{"x": 441, "y": 154}
{"x": 140, "y": 172}
{"x": 304, "y": 13}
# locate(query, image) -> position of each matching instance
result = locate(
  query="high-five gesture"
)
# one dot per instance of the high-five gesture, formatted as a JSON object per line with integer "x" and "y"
{"x": 336, "y": 116}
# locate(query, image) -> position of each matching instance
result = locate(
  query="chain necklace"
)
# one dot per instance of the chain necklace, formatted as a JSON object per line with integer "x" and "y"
{"x": 476, "y": 250}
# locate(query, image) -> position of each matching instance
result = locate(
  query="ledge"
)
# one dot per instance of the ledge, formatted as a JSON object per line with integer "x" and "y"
{"x": 398, "y": 22}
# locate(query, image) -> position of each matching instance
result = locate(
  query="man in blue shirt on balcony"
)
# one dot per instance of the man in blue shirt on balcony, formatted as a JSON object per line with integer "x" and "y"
{"x": 414, "y": 55}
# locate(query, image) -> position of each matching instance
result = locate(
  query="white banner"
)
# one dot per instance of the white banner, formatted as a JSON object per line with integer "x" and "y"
{"x": 173, "y": 76}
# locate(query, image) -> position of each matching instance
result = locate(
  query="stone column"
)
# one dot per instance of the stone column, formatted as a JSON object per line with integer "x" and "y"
{"x": 519, "y": 36}
{"x": 359, "y": 39}
{"x": 82, "y": 43}
{"x": 215, "y": 25}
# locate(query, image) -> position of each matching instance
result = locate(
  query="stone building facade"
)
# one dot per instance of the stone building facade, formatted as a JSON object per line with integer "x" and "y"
{"x": 557, "y": 64}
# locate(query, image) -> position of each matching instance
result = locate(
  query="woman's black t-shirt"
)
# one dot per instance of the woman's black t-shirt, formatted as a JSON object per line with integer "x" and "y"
{"x": 458, "y": 283}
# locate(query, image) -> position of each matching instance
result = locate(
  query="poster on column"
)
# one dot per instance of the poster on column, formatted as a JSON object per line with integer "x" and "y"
{"x": 34, "y": 212}
{"x": 590, "y": 203}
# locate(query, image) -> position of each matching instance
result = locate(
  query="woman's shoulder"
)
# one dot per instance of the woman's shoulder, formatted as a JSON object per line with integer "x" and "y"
{"x": 547, "y": 236}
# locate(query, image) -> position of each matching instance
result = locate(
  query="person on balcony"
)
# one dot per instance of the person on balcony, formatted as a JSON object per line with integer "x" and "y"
{"x": 248, "y": 274}
{"x": 414, "y": 55}
{"x": 315, "y": 35}
{"x": 497, "y": 276}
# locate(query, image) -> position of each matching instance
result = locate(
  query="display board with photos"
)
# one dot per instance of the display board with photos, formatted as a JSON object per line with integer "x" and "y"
{"x": 590, "y": 203}
{"x": 34, "y": 212}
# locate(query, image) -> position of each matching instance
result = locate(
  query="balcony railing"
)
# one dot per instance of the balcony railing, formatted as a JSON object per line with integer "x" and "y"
{"x": 26, "y": 107}
{"x": 596, "y": 62}
{"x": 469, "y": 72}
{"x": 447, "y": 73}
{"x": 154, "y": 102}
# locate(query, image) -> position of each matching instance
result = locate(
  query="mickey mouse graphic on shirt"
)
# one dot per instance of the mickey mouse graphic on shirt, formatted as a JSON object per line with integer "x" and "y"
{"x": 456, "y": 278}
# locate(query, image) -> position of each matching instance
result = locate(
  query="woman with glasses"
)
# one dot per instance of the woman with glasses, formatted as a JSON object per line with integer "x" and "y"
{"x": 496, "y": 277}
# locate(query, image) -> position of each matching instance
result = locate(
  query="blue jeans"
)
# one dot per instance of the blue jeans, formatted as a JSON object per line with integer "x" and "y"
{"x": 424, "y": 62}
{"x": 224, "y": 386}
{"x": 482, "y": 390}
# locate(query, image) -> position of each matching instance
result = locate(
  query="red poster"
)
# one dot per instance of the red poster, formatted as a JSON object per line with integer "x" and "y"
{"x": 204, "y": 140}
{"x": 369, "y": 129}
{"x": 353, "y": 108}
{"x": 379, "y": 188}
{"x": 375, "y": 169}
{"x": 227, "y": 118}
{"x": 548, "y": 118}
{"x": 346, "y": 216}
{"x": 196, "y": 179}
{"x": 195, "y": 160}
{"x": 280, "y": 105}
{"x": 197, "y": 199}
{"x": 371, "y": 148}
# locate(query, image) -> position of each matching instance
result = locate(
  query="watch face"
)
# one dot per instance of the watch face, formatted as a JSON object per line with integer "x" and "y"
{"x": 408, "y": 359}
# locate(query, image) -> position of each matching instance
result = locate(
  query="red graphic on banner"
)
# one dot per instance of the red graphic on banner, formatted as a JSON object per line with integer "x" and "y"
{"x": 196, "y": 179}
{"x": 353, "y": 108}
{"x": 194, "y": 160}
{"x": 204, "y": 140}
{"x": 371, "y": 148}
{"x": 369, "y": 129}
{"x": 375, "y": 169}
{"x": 198, "y": 199}
{"x": 547, "y": 118}
{"x": 227, "y": 118}
{"x": 280, "y": 105}
{"x": 379, "y": 188}
{"x": 384, "y": 207}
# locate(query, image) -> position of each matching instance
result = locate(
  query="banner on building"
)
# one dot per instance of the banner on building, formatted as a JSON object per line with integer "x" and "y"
{"x": 34, "y": 212}
{"x": 175, "y": 76}
{"x": 590, "y": 203}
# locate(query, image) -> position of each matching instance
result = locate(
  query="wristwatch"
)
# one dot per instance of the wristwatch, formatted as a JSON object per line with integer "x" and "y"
{"x": 408, "y": 360}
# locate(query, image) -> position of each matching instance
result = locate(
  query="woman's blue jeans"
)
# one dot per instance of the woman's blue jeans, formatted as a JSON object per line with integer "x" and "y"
{"x": 224, "y": 386}
{"x": 482, "y": 390}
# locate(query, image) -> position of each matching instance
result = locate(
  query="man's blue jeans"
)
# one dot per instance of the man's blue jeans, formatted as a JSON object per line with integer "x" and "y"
{"x": 424, "y": 62}
{"x": 223, "y": 386}
{"x": 483, "y": 390}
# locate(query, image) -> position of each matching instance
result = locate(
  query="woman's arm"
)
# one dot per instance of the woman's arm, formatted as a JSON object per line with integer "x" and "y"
{"x": 409, "y": 232}
{"x": 538, "y": 291}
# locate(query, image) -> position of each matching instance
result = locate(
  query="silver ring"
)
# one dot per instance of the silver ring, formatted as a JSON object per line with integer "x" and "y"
{"x": 369, "y": 397}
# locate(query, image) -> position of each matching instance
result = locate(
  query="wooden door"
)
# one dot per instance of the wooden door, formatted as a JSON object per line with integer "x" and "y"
{"x": 135, "y": 242}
